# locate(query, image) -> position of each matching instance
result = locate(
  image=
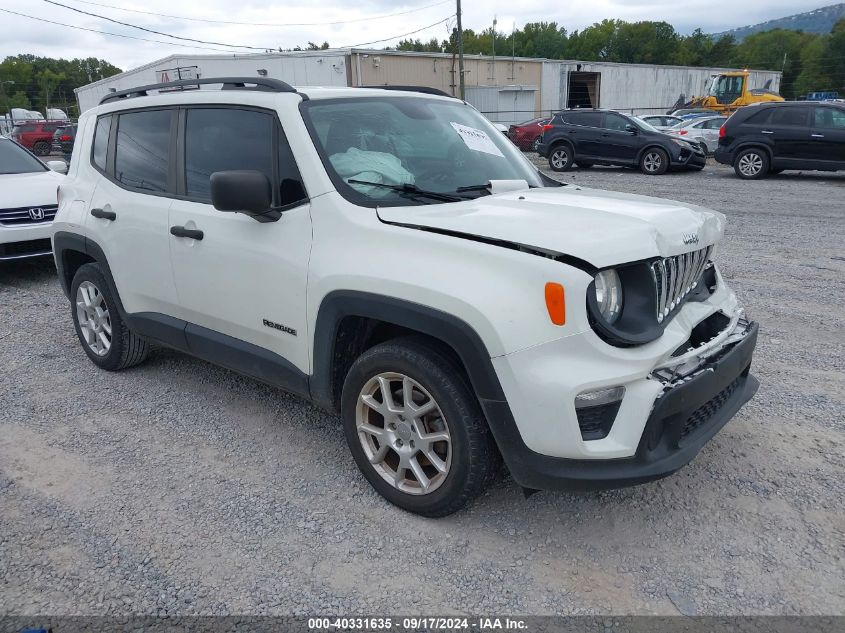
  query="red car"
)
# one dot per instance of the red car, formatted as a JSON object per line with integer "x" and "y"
{"x": 526, "y": 136}
{"x": 36, "y": 136}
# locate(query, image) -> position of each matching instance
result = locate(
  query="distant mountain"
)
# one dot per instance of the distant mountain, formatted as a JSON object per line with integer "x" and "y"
{"x": 816, "y": 21}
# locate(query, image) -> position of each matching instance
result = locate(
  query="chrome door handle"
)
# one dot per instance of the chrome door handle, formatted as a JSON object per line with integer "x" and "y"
{"x": 817, "y": 135}
{"x": 766, "y": 132}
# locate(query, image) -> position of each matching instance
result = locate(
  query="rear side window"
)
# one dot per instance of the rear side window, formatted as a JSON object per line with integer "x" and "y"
{"x": 829, "y": 118}
{"x": 759, "y": 118}
{"x": 101, "y": 142}
{"x": 789, "y": 116}
{"x": 142, "y": 155}
{"x": 18, "y": 129}
{"x": 224, "y": 139}
{"x": 589, "y": 119}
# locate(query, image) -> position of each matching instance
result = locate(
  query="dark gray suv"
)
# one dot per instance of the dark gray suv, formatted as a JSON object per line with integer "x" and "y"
{"x": 768, "y": 138}
{"x": 604, "y": 137}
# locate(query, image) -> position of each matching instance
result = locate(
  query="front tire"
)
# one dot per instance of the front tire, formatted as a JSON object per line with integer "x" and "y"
{"x": 41, "y": 148}
{"x": 415, "y": 429}
{"x": 561, "y": 158}
{"x": 535, "y": 145}
{"x": 105, "y": 337}
{"x": 654, "y": 162}
{"x": 751, "y": 164}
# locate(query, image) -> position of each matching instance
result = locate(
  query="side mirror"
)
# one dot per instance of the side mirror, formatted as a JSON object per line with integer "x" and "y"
{"x": 243, "y": 191}
{"x": 58, "y": 166}
{"x": 633, "y": 129}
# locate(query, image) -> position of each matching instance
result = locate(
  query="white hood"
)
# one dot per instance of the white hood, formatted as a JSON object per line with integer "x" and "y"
{"x": 603, "y": 228}
{"x": 29, "y": 190}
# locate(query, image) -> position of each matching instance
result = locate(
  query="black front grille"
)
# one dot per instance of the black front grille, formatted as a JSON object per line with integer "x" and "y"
{"x": 28, "y": 215}
{"x": 24, "y": 249}
{"x": 702, "y": 414}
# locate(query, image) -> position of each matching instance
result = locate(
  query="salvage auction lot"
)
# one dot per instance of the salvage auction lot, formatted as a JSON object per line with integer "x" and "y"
{"x": 180, "y": 487}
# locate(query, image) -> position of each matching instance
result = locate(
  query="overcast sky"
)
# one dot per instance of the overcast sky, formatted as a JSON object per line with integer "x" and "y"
{"x": 363, "y": 21}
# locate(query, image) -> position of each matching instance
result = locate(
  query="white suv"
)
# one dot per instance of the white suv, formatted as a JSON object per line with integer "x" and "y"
{"x": 390, "y": 256}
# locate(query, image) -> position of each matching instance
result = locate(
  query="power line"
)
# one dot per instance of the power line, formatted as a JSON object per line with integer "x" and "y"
{"x": 207, "y": 21}
{"x": 387, "y": 39}
{"x": 177, "y": 45}
{"x": 154, "y": 32}
{"x": 128, "y": 37}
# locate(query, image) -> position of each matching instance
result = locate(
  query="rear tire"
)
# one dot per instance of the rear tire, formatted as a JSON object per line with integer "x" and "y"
{"x": 104, "y": 335}
{"x": 41, "y": 148}
{"x": 393, "y": 444}
{"x": 561, "y": 158}
{"x": 751, "y": 164}
{"x": 654, "y": 162}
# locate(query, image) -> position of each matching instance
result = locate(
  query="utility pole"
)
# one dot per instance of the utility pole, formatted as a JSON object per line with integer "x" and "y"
{"x": 461, "y": 53}
{"x": 494, "y": 51}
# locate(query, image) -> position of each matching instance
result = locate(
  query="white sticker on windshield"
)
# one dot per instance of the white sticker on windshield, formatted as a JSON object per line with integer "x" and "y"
{"x": 477, "y": 139}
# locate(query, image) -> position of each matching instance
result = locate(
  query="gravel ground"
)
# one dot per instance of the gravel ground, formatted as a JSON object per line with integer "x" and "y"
{"x": 178, "y": 487}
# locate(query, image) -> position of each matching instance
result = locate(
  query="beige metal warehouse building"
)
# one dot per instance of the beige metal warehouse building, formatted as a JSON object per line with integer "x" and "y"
{"x": 509, "y": 90}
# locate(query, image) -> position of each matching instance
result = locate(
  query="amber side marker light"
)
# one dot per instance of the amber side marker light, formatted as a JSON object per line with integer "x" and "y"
{"x": 556, "y": 303}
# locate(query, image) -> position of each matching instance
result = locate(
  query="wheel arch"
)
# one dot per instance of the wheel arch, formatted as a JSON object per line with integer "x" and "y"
{"x": 752, "y": 145}
{"x": 561, "y": 141}
{"x": 652, "y": 145}
{"x": 71, "y": 251}
{"x": 349, "y": 322}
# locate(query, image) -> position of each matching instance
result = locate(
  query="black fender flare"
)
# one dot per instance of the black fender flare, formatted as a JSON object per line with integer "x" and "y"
{"x": 65, "y": 242}
{"x": 447, "y": 328}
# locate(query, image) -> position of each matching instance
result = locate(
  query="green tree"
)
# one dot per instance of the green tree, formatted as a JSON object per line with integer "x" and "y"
{"x": 594, "y": 43}
{"x": 778, "y": 49}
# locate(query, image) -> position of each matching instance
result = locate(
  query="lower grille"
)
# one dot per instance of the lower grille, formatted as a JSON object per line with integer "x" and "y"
{"x": 700, "y": 416}
{"x": 15, "y": 250}
{"x": 28, "y": 215}
{"x": 674, "y": 278}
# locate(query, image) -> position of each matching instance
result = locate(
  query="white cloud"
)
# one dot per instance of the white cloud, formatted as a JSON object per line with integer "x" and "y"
{"x": 23, "y": 35}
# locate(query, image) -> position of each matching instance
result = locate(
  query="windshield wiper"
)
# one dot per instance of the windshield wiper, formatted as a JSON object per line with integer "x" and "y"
{"x": 410, "y": 189}
{"x": 485, "y": 188}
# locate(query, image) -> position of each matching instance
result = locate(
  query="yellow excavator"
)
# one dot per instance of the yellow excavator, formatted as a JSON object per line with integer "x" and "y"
{"x": 729, "y": 91}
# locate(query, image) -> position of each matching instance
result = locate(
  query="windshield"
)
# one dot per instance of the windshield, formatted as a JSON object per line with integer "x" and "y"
{"x": 16, "y": 160}
{"x": 411, "y": 143}
{"x": 726, "y": 88}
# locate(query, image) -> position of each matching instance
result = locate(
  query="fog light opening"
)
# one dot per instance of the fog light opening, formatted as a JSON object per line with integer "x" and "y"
{"x": 596, "y": 411}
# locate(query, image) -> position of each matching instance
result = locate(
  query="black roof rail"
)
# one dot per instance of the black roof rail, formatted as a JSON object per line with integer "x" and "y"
{"x": 262, "y": 84}
{"x": 422, "y": 89}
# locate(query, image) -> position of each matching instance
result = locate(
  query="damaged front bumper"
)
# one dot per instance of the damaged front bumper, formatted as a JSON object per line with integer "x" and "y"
{"x": 703, "y": 387}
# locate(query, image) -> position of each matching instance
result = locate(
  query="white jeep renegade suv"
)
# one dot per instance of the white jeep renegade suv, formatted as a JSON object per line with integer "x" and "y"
{"x": 392, "y": 257}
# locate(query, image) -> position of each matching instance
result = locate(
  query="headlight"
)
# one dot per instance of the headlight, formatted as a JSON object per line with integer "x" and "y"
{"x": 609, "y": 294}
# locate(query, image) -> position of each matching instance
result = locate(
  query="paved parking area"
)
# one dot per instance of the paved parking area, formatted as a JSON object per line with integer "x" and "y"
{"x": 179, "y": 487}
